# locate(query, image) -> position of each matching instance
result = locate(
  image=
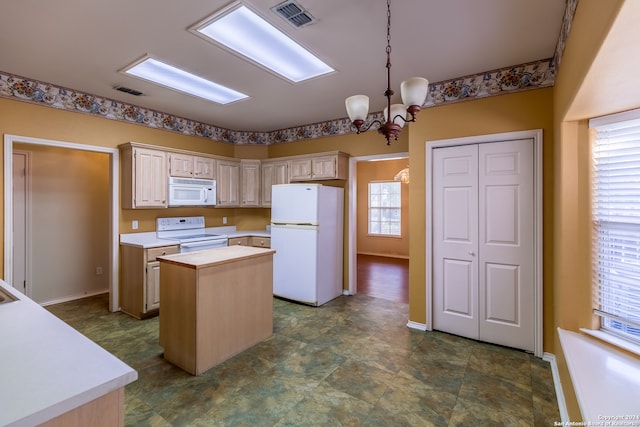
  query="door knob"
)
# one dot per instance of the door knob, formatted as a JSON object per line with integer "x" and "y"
{"x": 472, "y": 253}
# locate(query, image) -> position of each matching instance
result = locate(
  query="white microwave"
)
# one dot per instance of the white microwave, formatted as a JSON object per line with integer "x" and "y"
{"x": 192, "y": 192}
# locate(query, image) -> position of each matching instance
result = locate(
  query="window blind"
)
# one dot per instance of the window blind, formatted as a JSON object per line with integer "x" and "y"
{"x": 616, "y": 223}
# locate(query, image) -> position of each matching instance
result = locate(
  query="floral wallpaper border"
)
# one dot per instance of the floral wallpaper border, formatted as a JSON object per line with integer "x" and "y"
{"x": 523, "y": 77}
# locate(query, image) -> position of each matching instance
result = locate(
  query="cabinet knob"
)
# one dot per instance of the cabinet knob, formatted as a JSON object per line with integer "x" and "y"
{"x": 164, "y": 252}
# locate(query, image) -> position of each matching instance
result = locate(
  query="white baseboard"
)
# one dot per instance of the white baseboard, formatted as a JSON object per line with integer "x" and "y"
{"x": 416, "y": 325}
{"x": 562, "y": 405}
{"x": 73, "y": 297}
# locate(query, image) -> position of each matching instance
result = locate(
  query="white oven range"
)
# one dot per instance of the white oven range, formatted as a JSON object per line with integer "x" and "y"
{"x": 190, "y": 233}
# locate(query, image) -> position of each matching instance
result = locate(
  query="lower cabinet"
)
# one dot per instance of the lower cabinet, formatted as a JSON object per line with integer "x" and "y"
{"x": 259, "y": 242}
{"x": 140, "y": 281}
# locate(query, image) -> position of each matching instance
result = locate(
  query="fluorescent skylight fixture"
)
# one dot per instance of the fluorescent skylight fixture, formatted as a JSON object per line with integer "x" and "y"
{"x": 244, "y": 32}
{"x": 174, "y": 78}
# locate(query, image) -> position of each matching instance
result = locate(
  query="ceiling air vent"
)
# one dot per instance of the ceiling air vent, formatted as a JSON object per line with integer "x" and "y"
{"x": 128, "y": 90}
{"x": 294, "y": 14}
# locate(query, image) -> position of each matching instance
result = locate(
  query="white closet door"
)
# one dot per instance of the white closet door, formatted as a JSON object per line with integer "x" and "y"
{"x": 483, "y": 281}
{"x": 455, "y": 240}
{"x": 506, "y": 281}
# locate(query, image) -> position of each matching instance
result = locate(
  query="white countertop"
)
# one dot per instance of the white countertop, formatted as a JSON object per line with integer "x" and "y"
{"x": 48, "y": 368}
{"x": 150, "y": 239}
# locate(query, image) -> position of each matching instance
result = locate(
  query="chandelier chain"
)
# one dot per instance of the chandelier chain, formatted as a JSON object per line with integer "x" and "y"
{"x": 388, "y": 28}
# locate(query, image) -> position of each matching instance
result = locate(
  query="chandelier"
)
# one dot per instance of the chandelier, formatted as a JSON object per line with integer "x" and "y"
{"x": 413, "y": 92}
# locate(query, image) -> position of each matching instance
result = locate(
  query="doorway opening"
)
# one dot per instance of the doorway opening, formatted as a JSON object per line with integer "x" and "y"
{"x": 108, "y": 240}
{"x": 380, "y": 266}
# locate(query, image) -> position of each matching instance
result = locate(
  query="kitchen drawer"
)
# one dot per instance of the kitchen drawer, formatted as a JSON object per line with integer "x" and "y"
{"x": 153, "y": 253}
{"x": 260, "y": 242}
{"x": 243, "y": 241}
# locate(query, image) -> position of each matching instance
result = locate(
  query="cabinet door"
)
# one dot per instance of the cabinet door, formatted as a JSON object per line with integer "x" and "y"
{"x": 180, "y": 165}
{"x": 300, "y": 169}
{"x": 228, "y": 183}
{"x": 204, "y": 167}
{"x": 323, "y": 167}
{"x": 272, "y": 174}
{"x": 250, "y": 183}
{"x": 150, "y": 178}
{"x": 152, "y": 287}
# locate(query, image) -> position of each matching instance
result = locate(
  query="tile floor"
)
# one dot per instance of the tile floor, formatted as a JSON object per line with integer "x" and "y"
{"x": 352, "y": 362}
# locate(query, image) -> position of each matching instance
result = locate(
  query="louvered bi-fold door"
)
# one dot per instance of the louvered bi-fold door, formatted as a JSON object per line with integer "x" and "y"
{"x": 483, "y": 248}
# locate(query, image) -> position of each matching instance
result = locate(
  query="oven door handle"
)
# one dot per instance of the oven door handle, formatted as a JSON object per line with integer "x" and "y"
{"x": 217, "y": 242}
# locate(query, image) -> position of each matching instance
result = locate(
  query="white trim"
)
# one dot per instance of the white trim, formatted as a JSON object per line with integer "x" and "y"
{"x": 114, "y": 162}
{"x": 352, "y": 210}
{"x": 557, "y": 384}
{"x": 415, "y": 325}
{"x": 536, "y": 136}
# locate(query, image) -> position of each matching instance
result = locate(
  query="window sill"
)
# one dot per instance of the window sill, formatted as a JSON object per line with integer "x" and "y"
{"x": 606, "y": 380}
{"x": 613, "y": 340}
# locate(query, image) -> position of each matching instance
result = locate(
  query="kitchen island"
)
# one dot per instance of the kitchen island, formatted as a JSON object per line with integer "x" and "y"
{"x": 51, "y": 374}
{"x": 215, "y": 304}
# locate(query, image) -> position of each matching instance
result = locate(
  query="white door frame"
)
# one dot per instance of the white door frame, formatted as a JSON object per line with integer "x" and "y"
{"x": 536, "y": 136}
{"x": 114, "y": 161}
{"x": 352, "y": 210}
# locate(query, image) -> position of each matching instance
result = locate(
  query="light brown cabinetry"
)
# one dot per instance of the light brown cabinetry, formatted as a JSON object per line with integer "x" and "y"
{"x": 238, "y": 241}
{"x": 140, "y": 281}
{"x": 189, "y": 166}
{"x": 216, "y": 303}
{"x": 273, "y": 173}
{"x": 144, "y": 177}
{"x": 255, "y": 241}
{"x": 228, "y": 183}
{"x": 260, "y": 242}
{"x": 250, "y": 177}
{"x": 319, "y": 167}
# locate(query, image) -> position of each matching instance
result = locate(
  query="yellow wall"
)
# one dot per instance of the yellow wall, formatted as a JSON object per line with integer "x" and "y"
{"x": 597, "y": 76}
{"x": 506, "y": 113}
{"x": 512, "y": 112}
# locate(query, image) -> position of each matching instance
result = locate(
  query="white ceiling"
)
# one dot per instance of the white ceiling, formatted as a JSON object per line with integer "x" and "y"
{"x": 82, "y": 45}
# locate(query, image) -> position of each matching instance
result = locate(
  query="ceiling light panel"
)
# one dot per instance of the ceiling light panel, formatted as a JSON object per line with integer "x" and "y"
{"x": 182, "y": 81}
{"x": 242, "y": 31}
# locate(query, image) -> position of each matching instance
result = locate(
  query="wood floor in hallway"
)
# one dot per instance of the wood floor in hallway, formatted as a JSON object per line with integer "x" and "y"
{"x": 383, "y": 277}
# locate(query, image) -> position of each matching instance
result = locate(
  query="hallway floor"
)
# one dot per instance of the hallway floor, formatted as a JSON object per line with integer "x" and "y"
{"x": 351, "y": 362}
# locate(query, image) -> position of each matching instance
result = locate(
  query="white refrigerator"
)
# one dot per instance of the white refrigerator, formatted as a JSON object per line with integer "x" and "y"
{"x": 306, "y": 232}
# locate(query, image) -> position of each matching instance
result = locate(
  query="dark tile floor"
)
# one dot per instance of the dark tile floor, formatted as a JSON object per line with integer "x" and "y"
{"x": 351, "y": 362}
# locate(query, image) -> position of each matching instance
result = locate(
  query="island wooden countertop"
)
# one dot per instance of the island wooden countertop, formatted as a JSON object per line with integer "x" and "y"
{"x": 215, "y": 256}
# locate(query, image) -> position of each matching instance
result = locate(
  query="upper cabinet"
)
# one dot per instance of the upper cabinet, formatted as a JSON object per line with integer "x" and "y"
{"x": 228, "y": 183}
{"x": 250, "y": 178}
{"x": 319, "y": 167}
{"x": 189, "y": 166}
{"x": 240, "y": 183}
{"x": 273, "y": 172}
{"x": 144, "y": 177}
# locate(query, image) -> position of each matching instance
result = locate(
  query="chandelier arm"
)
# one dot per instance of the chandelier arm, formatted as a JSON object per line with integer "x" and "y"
{"x": 362, "y": 128}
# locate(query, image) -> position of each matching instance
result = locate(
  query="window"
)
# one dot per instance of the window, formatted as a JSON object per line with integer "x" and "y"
{"x": 616, "y": 223}
{"x": 385, "y": 206}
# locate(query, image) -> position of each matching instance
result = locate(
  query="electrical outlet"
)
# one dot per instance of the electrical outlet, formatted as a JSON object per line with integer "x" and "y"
{"x": 98, "y": 271}
{"x": 224, "y": 219}
{"x": 134, "y": 224}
